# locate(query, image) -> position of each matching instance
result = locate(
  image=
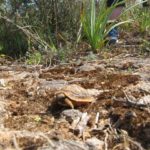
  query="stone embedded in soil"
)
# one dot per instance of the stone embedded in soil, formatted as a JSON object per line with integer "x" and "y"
{"x": 2, "y": 83}
{"x": 66, "y": 145}
{"x": 81, "y": 126}
{"x": 145, "y": 101}
{"x": 71, "y": 114}
{"x": 144, "y": 86}
{"x": 90, "y": 67}
{"x": 86, "y": 67}
{"x": 53, "y": 85}
{"x": 95, "y": 144}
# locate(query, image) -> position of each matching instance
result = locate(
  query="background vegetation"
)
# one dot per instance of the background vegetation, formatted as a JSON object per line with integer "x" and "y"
{"x": 53, "y": 28}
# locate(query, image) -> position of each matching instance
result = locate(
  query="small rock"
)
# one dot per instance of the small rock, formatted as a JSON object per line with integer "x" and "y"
{"x": 53, "y": 85}
{"x": 95, "y": 92}
{"x": 145, "y": 100}
{"x": 91, "y": 67}
{"x": 86, "y": 67}
{"x": 66, "y": 145}
{"x": 95, "y": 144}
{"x": 80, "y": 128}
{"x": 71, "y": 114}
{"x": 144, "y": 86}
{"x": 2, "y": 83}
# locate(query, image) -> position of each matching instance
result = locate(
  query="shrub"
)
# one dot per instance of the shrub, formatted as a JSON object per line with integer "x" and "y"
{"x": 44, "y": 19}
{"x": 12, "y": 41}
{"x": 95, "y": 23}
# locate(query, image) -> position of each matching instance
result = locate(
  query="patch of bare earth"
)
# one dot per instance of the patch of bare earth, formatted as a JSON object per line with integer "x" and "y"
{"x": 117, "y": 120}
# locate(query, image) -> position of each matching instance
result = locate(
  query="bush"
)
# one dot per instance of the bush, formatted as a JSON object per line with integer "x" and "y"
{"x": 12, "y": 41}
{"x": 46, "y": 20}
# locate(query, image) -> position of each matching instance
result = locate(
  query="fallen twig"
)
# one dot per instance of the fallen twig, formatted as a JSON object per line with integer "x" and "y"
{"x": 49, "y": 141}
{"x": 82, "y": 124}
{"x": 96, "y": 120}
{"x": 15, "y": 143}
{"x": 132, "y": 103}
{"x": 106, "y": 140}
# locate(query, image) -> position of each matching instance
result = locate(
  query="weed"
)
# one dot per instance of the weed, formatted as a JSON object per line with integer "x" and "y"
{"x": 140, "y": 17}
{"x": 64, "y": 53}
{"x": 143, "y": 19}
{"x": 95, "y": 23}
{"x": 34, "y": 58}
{"x": 37, "y": 119}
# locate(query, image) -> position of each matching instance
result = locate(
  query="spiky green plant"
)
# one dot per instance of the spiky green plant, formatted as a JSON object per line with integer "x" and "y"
{"x": 95, "y": 23}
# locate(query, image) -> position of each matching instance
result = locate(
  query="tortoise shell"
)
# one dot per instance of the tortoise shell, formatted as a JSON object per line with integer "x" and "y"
{"x": 76, "y": 94}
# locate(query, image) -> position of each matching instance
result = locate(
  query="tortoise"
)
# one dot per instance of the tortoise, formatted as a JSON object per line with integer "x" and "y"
{"x": 73, "y": 95}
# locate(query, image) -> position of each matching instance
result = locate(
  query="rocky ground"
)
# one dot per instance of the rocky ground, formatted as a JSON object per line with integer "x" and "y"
{"x": 118, "y": 119}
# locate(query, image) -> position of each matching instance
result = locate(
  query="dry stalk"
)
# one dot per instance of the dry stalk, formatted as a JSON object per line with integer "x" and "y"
{"x": 117, "y": 146}
{"x": 132, "y": 103}
{"x": 106, "y": 140}
{"x": 82, "y": 123}
{"x": 75, "y": 122}
{"x": 125, "y": 140}
{"x": 49, "y": 141}
{"x": 15, "y": 143}
{"x": 75, "y": 144}
{"x": 96, "y": 120}
{"x": 137, "y": 144}
{"x": 128, "y": 140}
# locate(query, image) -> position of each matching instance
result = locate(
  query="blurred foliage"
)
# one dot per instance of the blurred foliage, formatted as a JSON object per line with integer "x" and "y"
{"x": 141, "y": 16}
{"x": 12, "y": 41}
{"x": 143, "y": 19}
{"x": 49, "y": 19}
{"x": 47, "y": 26}
{"x": 34, "y": 58}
